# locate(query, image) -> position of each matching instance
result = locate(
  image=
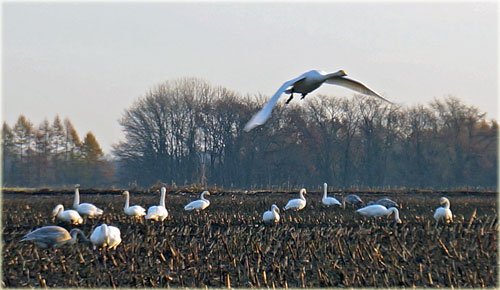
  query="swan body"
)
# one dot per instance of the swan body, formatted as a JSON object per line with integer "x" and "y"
{"x": 387, "y": 202}
{"x": 87, "y": 209}
{"x": 326, "y": 200}
{"x": 158, "y": 212}
{"x": 53, "y": 236}
{"x": 199, "y": 204}
{"x": 271, "y": 216}
{"x": 378, "y": 210}
{"x": 304, "y": 84}
{"x": 297, "y": 203}
{"x": 106, "y": 236}
{"x": 352, "y": 199}
{"x": 69, "y": 215}
{"x": 443, "y": 213}
{"x": 135, "y": 210}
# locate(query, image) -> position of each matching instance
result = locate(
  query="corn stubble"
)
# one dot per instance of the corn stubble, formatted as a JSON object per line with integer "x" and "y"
{"x": 228, "y": 246}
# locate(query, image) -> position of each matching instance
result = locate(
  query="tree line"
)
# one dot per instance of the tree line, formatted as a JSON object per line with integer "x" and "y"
{"x": 187, "y": 131}
{"x": 51, "y": 154}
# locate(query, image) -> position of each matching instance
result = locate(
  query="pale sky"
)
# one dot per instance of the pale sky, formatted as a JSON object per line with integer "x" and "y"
{"x": 90, "y": 61}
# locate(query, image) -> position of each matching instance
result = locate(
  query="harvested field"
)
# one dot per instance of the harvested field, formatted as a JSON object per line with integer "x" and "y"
{"x": 227, "y": 244}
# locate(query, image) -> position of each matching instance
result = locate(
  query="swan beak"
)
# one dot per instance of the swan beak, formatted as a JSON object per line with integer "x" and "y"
{"x": 399, "y": 222}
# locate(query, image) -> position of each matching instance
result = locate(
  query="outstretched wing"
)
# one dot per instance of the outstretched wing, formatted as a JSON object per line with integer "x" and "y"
{"x": 262, "y": 116}
{"x": 355, "y": 86}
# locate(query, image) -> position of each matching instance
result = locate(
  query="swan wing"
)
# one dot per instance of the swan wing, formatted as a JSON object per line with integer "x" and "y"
{"x": 355, "y": 86}
{"x": 261, "y": 117}
{"x": 196, "y": 205}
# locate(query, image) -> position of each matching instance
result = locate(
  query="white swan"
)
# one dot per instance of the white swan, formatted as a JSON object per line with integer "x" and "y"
{"x": 69, "y": 215}
{"x": 378, "y": 210}
{"x": 135, "y": 210}
{"x": 106, "y": 236}
{"x": 158, "y": 212}
{"x": 53, "y": 236}
{"x": 443, "y": 213}
{"x": 326, "y": 200}
{"x": 199, "y": 204}
{"x": 297, "y": 203}
{"x": 87, "y": 209}
{"x": 271, "y": 216}
{"x": 304, "y": 84}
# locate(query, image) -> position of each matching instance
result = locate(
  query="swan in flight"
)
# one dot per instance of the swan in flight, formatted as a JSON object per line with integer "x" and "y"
{"x": 297, "y": 203}
{"x": 304, "y": 84}
{"x": 158, "y": 212}
{"x": 69, "y": 215}
{"x": 443, "y": 213}
{"x": 199, "y": 204}
{"x": 377, "y": 210}
{"x": 326, "y": 200}
{"x": 53, "y": 236}
{"x": 87, "y": 209}
{"x": 106, "y": 236}
{"x": 135, "y": 210}
{"x": 271, "y": 216}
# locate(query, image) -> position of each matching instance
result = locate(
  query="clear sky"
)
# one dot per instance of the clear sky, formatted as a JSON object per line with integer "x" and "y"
{"x": 90, "y": 61}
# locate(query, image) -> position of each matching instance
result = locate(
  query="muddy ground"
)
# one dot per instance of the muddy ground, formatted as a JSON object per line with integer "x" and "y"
{"x": 227, "y": 244}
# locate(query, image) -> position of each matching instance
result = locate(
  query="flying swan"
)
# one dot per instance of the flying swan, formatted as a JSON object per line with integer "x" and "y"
{"x": 135, "y": 210}
{"x": 158, "y": 212}
{"x": 69, "y": 215}
{"x": 304, "y": 84}
{"x": 327, "y": 200}
{"x": 271, "y": 216}
{"x": 378, "y": 210}
{"x": 199, "y": 204}
{"x": 87, "y": 209}
{"x": 297, "y": 203}
{"x": 53, "y": 236}
{"x": 443, "y": 213}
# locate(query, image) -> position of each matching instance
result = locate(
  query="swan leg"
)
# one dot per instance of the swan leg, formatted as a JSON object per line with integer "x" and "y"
{"x": 290, "y": 98}
{"x": 303, "y": 96}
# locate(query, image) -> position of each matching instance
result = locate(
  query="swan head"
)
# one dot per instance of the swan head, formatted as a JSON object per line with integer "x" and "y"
{"x": 163, "y": 190}
{"x": 341, "y": 73}
{"x": 443, "y": 200}
{"x": 125, "y": 192}
{"x": 206, "y": 192}
{"x": 57, "y": 209}
{"x": 275, "y": 207}
{"x": 77, "y": 185}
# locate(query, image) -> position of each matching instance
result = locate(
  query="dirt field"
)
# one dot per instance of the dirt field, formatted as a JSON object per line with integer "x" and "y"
{"x": 227, "y": 244}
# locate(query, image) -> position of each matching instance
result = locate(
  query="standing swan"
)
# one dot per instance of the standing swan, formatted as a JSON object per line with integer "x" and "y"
{"x": 106, "y": 236}
{"x": 443, "y": 213}
{"x": 378, "y": 210}
{"x": 304, "y": 84}
{"x": 199, "y": 204}
{"x": 271, "y": 216}
{"x": 87, "y": 209}
{"x": 352, "y": 199}
{"x": 298, "y": 203}
{"x": 135, "y": 210}
{"x": 69, "y": 215}
{"x": 158, "y": 212}
{"x": 53, "y": 236}
{"x": 326, "y": 200}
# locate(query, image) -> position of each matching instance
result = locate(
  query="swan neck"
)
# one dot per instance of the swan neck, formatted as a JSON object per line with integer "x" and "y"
{"x": 162, "y": 198}
{"x": 325, "y": 190}
{"x": 105, "y": 231}
{"x": 126, "y": 200}
{"x": 447, "y": 204}
{"x": 301, "y": 193}
{"x": 396, "y": 213}
{"x": 76, "y": 201}
{"x": 202, "y": 196}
